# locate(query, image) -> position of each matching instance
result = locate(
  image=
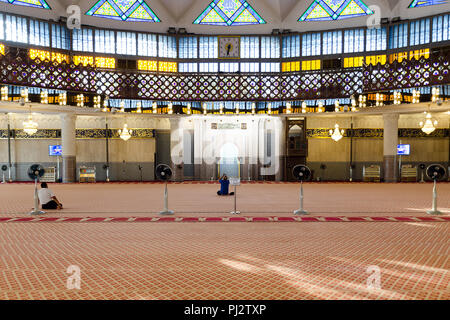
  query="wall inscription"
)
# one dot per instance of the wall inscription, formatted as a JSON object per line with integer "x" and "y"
{"x": 228, "y": 126}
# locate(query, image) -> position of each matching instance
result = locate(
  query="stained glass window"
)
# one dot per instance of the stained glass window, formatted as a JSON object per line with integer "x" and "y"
{"x": 125, "y": 10}
{"x": 229, "y": 13}
{"x": 423, "y": 3}
{"x": 321, "y": 10}
{"x": 30, "y": 3}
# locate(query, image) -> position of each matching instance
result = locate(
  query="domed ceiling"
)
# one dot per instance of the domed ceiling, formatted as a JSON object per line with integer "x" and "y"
{"x": 226, "y": 16}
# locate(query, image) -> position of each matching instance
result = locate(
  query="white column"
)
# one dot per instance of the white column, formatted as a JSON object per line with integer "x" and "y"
{"x": 390, "y": 147}
{"x": 176, "y": 149}
{"x": 68, "y": 136}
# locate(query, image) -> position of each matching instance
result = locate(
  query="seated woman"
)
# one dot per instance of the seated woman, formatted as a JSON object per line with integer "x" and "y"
{"x": 47, "y": 199}
{"x": 224, "y": 184}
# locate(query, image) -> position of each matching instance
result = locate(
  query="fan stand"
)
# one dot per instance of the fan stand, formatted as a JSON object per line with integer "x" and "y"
{"x": 3, "y": 180}
{"x": 166, "y": 210}
{"x": 421, "y": 176}
{"x": 301, "y": 211}
{"x": 235, "y": 210}
{"x": 36, "y": 210}
{"x": 434, "y": 210}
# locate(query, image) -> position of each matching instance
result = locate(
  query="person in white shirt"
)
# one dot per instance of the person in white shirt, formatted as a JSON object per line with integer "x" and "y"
{"x": 47, "y": 199}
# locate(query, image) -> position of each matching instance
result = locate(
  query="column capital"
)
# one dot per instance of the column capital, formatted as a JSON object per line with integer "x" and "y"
{"x": 68, "y": 116}
{"x": 391, "y": 116}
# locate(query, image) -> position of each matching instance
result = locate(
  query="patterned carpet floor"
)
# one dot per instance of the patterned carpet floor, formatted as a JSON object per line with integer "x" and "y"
{"x": 201, "y": 200}
{"x": 225, "y": 261}
{"x": 282, "y": 258}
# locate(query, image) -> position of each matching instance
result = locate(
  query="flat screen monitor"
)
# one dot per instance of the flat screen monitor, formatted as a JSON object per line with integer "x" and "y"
{"x": 403, "y": 149}
{"x": 55, "y": 150}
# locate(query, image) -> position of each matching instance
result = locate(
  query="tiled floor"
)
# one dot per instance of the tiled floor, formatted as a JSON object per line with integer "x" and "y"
{"x": 225, "y": 261}
{"x": 229, "y": 260}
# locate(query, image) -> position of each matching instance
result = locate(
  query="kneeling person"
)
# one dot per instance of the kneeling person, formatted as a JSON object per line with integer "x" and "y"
{"x": 47, "y": 199}
{"x": 224, "y": 184}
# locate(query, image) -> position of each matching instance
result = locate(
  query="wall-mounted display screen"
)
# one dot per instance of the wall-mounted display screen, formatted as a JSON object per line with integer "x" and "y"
{"x": 55, "y": 150}
{"x": 403, "y": 149}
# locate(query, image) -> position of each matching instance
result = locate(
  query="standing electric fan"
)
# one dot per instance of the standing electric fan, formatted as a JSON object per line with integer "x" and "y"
{"x": 4, "y": 168}
{"x": 164, "y": 173}
{"x": 301, "y": 173}
{"x": 35, "y": 172}
{"x": 436, "y": 172}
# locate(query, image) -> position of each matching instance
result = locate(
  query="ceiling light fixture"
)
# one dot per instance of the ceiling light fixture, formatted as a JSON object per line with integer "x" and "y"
{"x": 429, "y": 125}
{"x": 125, "y": 134}
{"x": 30, "y": 127}
{"x": 336, "y": 134}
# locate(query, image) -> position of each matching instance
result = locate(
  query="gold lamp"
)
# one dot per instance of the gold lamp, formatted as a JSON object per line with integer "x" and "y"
{"x": 416, "y": 96}
{"x": 5, "y": 93}
{"x": 397, "y": 97}
{"x": 189, "y": 108}
{"x": 139, "y": 107}
{"x": 304, "y": 106}
{"x": 288, "y": 108}
{"x": 105, "y": 104}
{"x": 24, "y": 94}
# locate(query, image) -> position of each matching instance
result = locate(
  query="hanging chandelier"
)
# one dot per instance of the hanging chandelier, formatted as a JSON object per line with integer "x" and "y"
{"x": 253, "y": 108}
{"x": 336, "y": 134}
{"x": 125, "y": 134}
{"x": 139, "y": 107}
{"x": 429, "y": 125}
{"x": 155, "y": 107}
{"x": 269, "y": 109}
{"x": 30, "y": 127}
